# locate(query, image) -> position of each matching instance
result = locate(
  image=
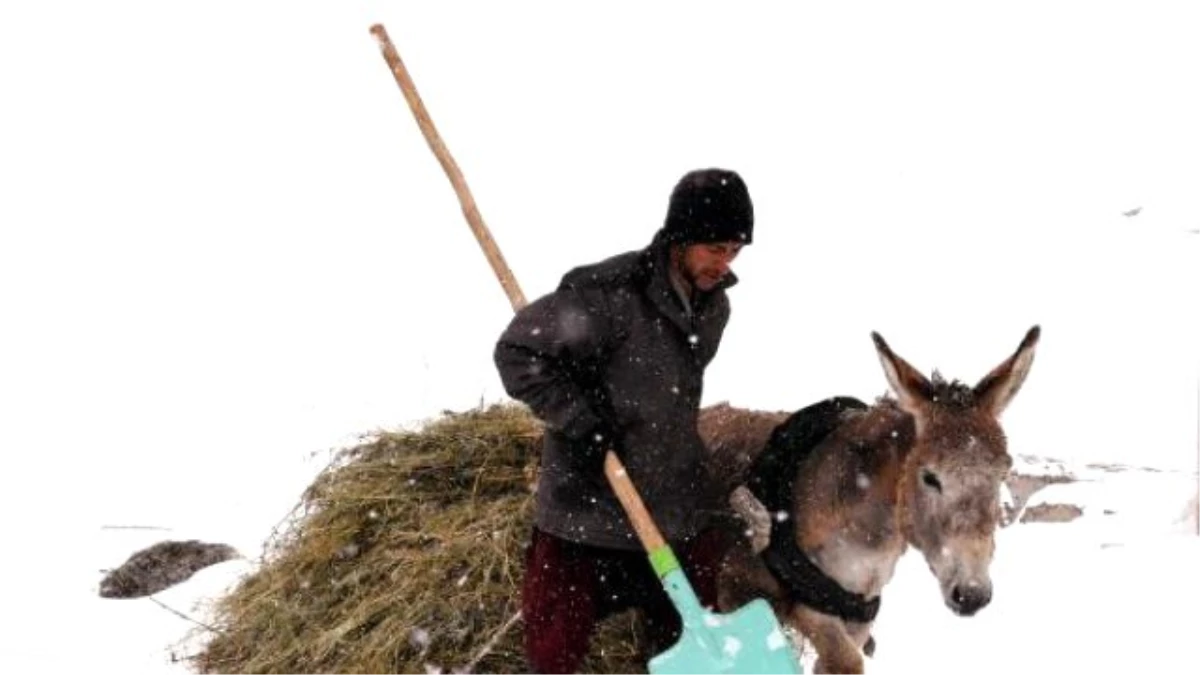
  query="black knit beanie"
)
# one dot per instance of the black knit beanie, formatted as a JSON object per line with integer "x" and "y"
{"x": 707, "y": 206}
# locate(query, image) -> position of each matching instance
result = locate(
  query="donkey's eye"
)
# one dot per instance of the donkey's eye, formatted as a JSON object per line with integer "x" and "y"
{"x": 931, "y": 480}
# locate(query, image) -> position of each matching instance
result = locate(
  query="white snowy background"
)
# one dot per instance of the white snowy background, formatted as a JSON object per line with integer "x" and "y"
{"x": 226, "y": 250}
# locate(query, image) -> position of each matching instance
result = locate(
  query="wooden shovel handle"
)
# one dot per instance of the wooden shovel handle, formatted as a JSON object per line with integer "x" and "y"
{"x": 470, "y": 210}
{"x": 639, "y": 517}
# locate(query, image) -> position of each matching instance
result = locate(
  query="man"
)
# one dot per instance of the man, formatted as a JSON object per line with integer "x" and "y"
{"x": 614, "y": 358}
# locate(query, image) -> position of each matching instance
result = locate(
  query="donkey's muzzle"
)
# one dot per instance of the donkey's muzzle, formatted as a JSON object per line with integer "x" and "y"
{"x": 966, "y": 599}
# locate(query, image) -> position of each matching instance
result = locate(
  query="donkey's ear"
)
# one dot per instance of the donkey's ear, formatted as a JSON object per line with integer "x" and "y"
{"x": 997, "y": 389}
{"x": 912, "y": 388}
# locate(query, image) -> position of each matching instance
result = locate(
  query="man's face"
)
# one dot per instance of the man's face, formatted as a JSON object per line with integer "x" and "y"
{"x": 705, "y": 265}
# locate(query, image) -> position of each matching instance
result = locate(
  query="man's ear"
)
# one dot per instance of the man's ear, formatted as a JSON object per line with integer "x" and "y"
{"x": 677, "y": 254}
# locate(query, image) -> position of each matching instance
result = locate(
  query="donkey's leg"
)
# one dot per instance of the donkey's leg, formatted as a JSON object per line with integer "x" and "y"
{"x": 860, "y": 633}
{"x": 837, "y": 651}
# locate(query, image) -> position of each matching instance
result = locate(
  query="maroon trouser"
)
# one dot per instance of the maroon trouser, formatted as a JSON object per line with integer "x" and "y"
{"x": 569, "y": 587}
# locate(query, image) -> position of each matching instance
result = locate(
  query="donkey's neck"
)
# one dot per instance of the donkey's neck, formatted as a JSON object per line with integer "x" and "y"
{"x": 852, "y": 527}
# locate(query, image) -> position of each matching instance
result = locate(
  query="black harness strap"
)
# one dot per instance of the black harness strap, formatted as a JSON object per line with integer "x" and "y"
{"x": 771, "y": 480}
{"x": 808, "y": 585}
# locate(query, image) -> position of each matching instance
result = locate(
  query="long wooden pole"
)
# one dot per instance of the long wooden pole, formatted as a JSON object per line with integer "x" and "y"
{"x": 652, "y": 540}
{"x": 434, "y": 139}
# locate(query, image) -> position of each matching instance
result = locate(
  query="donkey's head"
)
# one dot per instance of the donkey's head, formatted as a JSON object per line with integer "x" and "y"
{"x": 949, "y": 490}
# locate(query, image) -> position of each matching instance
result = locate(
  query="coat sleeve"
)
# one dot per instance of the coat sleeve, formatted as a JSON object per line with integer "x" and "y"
{"x": 542, "y": 352}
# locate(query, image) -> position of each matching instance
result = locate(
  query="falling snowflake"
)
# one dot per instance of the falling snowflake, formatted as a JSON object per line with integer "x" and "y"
{"x": 419, "y": 638}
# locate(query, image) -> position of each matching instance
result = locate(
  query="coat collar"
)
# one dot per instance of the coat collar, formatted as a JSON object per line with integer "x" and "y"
{"x": 663, "y": 294}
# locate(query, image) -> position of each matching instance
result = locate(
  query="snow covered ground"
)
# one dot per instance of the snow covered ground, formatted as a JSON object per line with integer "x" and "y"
{"x": 1108, "y": 592}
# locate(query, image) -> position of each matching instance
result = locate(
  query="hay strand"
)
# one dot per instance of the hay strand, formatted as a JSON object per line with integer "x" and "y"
{"x": 405, "y": 556}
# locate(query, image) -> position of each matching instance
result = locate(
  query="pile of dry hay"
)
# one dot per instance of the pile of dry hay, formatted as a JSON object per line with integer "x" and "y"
{"x": 406, "y": 557}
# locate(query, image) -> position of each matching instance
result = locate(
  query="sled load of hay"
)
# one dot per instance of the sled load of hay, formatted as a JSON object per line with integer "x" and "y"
{"x": 405, "y": 556}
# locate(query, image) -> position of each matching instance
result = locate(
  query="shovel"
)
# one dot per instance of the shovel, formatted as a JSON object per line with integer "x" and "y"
{"x": 747, "y": 640}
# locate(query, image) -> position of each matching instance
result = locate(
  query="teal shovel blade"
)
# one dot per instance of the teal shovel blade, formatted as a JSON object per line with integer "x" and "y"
{"x": 747, "y": 640}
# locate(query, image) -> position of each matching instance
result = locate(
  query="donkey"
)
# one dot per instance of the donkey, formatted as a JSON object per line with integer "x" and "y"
{"x": 862, "y": 484}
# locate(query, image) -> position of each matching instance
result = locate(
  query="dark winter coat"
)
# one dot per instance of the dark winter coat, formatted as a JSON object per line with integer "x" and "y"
{"x": 614, "y": 347}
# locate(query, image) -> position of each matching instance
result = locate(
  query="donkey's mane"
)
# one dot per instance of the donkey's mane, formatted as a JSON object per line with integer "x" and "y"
{"x": 952, "y": 394}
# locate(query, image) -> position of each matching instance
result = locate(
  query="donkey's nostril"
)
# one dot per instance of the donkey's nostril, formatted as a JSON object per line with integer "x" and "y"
{"x": 966, "y": 599}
